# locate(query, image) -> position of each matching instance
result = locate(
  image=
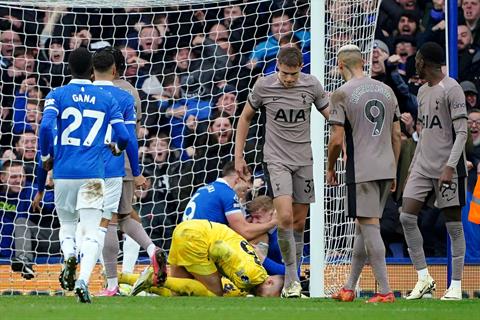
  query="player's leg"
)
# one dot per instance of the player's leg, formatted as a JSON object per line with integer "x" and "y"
{"x": 359, "y": 258}
{"x": 371, "y": 197}
{"x": 280, "y": 187}
{"x": 414, "y": 195}
{"x": 65, "y": 200}
{"x": 451, "y": 199}
{"x": 303, "y": 195}
{"x": 453, "y": 216}
{"x": 133, "y": 228}
{"x": 89, "y": 205}
{"x": 130, "y": 249}
{"x": 110, "y": 248}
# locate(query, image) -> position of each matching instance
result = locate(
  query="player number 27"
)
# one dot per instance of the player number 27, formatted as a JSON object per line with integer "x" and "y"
{"x": 77, "y": 122}
{"x": 375, "y": 113}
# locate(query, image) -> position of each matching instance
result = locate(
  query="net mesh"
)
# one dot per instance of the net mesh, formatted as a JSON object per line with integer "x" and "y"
{"x": 193, "y": 66}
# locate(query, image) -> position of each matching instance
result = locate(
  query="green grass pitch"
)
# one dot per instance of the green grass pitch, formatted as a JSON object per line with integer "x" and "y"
{"x": 193, "y": 308}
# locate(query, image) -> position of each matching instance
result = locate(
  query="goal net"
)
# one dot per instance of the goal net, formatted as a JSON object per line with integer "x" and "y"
{"x": 193, "y": 64}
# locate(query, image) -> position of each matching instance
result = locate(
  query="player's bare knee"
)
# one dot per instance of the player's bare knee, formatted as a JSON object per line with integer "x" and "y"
{"x": 452, "y": 214}
{"x": 365, "y": 220}
{"x": 411, "y": 206}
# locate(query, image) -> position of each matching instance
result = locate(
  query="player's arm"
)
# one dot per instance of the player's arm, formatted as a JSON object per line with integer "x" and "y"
{"x": 396, "y": 134}
{"x": 458, "y": 112}
{"x": 321, "y": 100}
{"x": 240, "y": 138}
{"x": 132, "y": 146}
{"x": 337, "y": 133}
{"x": 50, "y": 114}
{"x": 118, "y": 127}
{"x": 249, "y": 231}
{"x": 335, "y": 144}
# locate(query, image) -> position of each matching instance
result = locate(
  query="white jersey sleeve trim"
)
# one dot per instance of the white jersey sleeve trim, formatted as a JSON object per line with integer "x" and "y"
{"x": 233, "y": 212}
{"x": 112, "y": 122}
{"x": 131, "y": 122}
{"x": 51, "y": 108}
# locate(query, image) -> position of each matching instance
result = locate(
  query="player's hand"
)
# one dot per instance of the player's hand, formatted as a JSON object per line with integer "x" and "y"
{"x": 332, "y": 178}
{"x": 469, "y": 165}
{"x": 140, "y": 182}
{"x": 393, "y": 188}
{"x": 36, "y": 201}
{"x": 113, "y": 148}
{"x": 445, "y": 179}
{"x": 47, "y": 165}
{"x": 242, "y": 169}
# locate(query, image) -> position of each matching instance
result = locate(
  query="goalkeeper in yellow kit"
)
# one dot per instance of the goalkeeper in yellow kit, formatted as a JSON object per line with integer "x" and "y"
{"x": 201, "y": 253}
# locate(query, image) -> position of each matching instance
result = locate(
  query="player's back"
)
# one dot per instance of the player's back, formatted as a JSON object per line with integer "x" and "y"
{"x": 234, "y": 257}
{"x": 213, "y": 202}
{"x": 370, "y": 108}
{"x": 83, "y": 113}
{"x": 115, "y": 165}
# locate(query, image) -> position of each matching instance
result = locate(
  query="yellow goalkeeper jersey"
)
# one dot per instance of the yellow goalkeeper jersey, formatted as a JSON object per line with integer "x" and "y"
{"x": 204, "y": 247}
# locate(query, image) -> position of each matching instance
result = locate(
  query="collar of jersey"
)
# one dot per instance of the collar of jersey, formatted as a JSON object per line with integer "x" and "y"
{"x": 103, "y": 83}
{"x": 222, "y": 181}
{"x": 80, "y": 81}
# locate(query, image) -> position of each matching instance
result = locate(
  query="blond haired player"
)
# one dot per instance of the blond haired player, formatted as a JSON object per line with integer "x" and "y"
{"x": 364, "y": 112}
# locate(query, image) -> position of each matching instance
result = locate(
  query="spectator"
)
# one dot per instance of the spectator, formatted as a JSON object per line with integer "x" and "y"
{"x": 37, "y": 234}
{"x": 9, "y": 39}
{"x": 471, "y": 14}
{"x": 150, "y": 46}
{"x": 136, "y": 71}
{"x": 12, "y": 195}
{"x": 267, "y": 50}
{"x": 156, "y": 211}
{"x": 54, "y": 67}
{"x": 289, "y": 40}
{"x": 466, "y": 52}
{"x": 26, "y": 151}
{"x": 471, "y": 94}
{"x": 23, "y": 65}
{"x": 472, "y": 231}
{"x": 33, "y": 116}
{"x": 182, "y": 116}
{"x": 408, "y": 28}
{"x": 226, "y": 104}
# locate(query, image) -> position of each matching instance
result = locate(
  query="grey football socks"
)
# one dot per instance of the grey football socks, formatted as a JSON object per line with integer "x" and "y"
{"x": 298, "y": 235}
{"x": 414, "y": 240}
{"x": 455, "y": 230}
{"x": 286, "y": 242}
{"x": 135, "y": 230}
{"x": 359, "y": 258}
{"x": 110, "y": 251}
{"x": 376, "y": 254}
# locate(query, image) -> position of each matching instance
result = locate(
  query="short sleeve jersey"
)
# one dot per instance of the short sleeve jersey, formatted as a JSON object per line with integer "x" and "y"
{"x": 213, "y": 202}
{"x": 287, "y": 117}
{"x": 438, "y": 107}
{"x": 367, "y": 109}
{"x": 125, "y": 85}
{"x": 83, "y": 112}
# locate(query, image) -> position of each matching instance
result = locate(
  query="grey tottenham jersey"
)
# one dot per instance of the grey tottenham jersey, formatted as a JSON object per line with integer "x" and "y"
{"x": 367, "y": 109}
{"x": 287, "y": 121}
{"x": 438, "y": 107}
{"x": 131, "y": 89}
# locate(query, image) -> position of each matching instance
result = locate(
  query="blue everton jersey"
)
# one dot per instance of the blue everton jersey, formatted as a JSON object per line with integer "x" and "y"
{"x": 213, "y": 202}
{"x": 82, "y": 112}
{"x": 115, "y": 165}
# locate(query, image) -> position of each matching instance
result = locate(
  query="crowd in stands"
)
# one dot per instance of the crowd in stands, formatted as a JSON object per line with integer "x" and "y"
{"x": 193, "y": 68}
